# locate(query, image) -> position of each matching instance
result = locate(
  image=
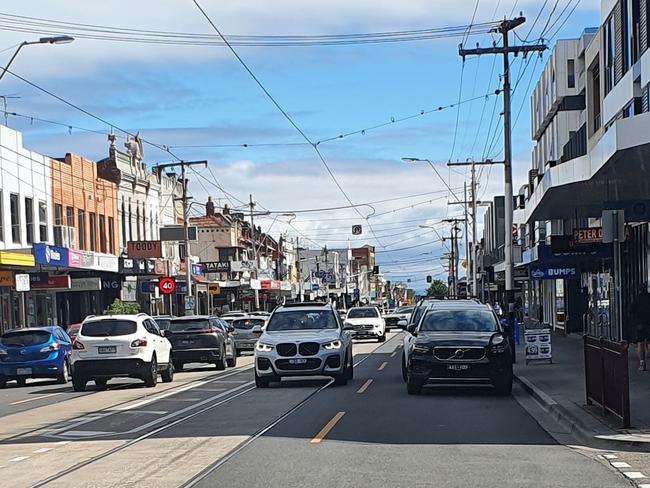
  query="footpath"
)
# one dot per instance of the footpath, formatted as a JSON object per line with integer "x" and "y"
{"x": 560, "y": 388}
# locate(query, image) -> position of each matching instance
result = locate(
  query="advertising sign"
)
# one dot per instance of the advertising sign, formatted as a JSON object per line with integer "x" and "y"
{"x": 129, "y": 290}
{"x": 239, "y": 266}
{"x": 6, "y": 278}
{"x": 554, "y": 272}
{"x": 50, "y": 255}
{"x": 37, "y": 282}
{"x": 538, "y": 345}
{"x": 588, "y": 235}
{"x": 144, "y": 249}
{"x": 85, "y": 284}
{"x": 216, "y": 266}
{"x": 214, "y": 289}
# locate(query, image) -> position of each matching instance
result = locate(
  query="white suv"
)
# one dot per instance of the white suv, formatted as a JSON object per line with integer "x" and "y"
{"x": 111, "y": 346}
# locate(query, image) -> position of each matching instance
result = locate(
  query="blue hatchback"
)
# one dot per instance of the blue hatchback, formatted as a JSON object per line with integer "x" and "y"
{"x": 36, "y": 352}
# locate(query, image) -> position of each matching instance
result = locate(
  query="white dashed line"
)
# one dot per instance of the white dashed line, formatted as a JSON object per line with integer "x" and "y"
{"x": 18, "y": 459}
{"x": 620, "y": 464}
{"x": 644, "y": 485}
{"x": 42, "y": 449}
{"x": 61, "y": 443}
{"x": 634, "y": 475}
{"x": 610, "y": 456}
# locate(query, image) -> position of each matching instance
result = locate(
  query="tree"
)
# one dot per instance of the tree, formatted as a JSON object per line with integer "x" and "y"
{"x": 118, "y": 307}
{"x": 437, "y": 289}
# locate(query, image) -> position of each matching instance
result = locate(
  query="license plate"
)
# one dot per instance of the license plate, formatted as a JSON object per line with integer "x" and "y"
{"x": 107, "y": 349}
{"x": 297, "y": 361}
{"x": 458, "y": 367}
{"x": 23, "y": 371}
{"x": 185, "y": 343}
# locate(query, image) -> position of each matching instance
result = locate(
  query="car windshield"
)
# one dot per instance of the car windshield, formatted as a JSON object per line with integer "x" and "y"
{"x": 404, "y": 310}
{"x": 25, "y": 338}
{"x": 363, "y": 313}
{"x": 460, "y": 321}
{"x": 189, "y": 325}
{"x": 302, "y": 319}
{"x": 109, "y": 328}
{"x": 247, "y": 324}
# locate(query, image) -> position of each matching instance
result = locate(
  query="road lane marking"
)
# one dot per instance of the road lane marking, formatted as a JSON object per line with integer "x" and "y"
{"x": 42, "y": 450}
{"x": 365, "y": 386}
{"x": 18, "y": 459}
{"x": 147, "y": 412}
{"x": 35, "y": 398}
{"x": 634, "y": 475}
{"x": 393, "y": 355}
{"x": 620, "y": 464}
{"x": 163, "y": 395}
{"x": 611, "y": 456}
{"x": 382, "y": 366}
{"x": 328, "y": 427}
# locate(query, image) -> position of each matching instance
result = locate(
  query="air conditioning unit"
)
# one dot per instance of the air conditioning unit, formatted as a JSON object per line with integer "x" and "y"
{"x": 65, "y": 236}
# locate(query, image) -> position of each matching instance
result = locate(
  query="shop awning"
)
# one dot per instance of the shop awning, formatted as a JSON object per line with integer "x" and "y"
{"x": 9, "y": 258}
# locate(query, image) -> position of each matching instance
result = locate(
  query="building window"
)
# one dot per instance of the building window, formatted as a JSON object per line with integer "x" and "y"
{"x": 608, "y": 51}
{"x": 29, "y": 219}
{"x": 92, "y": 222}
{"x": 69, "y": 216}
{"x": 42, "y": 221}
{"x": 123, "y": 224}
{"x": 2, "y": 221}
{"x": 152, "y": 236}
{"x": 58, "y": 214}
{"x": 102, "y": 233}
{"x": 130, "y": 222}
{"x": 111, "y": 236}
{"x": 137, "y": 221}
{"x": 635, "y": 29}
{"x": 81, "y": 225}
{"x": 571, "y": 73}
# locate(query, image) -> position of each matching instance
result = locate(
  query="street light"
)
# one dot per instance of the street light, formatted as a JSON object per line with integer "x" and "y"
{"x": 42, "y": 40}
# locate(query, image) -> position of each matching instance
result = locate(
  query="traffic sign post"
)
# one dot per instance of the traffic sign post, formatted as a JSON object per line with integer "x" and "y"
{"x": 167, "y": 286}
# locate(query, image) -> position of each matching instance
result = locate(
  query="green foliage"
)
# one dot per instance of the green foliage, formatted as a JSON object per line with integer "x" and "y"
{"x": 118, "y": 307}
{"x": 437, "y": 289}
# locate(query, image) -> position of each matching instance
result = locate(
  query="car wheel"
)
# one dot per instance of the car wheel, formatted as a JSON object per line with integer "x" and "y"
{"x": 351, "y": 368}
{"x": 178, "y": 366}
{"x": 404, "y": 371}
{"x": 101, "y": 383}
{"x": 413, "y": 388}
{"x": 222, "y": 364}
{"x": 151, "y": 375}
{"x": 64, "y": 377}
{"x": 341, "y": 379}
{"x": 79, "y": 383}
{"x": 382, "y": 338}
{"x": 168, "y": 375}
{"x": 262, "y": 381}
{"x": 21, "y": 381}
{"x": 232, "y": 362}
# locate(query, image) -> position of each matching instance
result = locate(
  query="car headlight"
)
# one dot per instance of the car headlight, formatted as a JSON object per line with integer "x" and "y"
{"x": 498, "y": 344}
{"x": 261, "y": 347}
{"x": 419, "y": 349}
{"x": 498, "y": 339}
{"x": 333, "y": 345}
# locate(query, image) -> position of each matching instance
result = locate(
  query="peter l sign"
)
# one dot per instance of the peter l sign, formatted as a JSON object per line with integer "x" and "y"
{"x": 144, "y": 249}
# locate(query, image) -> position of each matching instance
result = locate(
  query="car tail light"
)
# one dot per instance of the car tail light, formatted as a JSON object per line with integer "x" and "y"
{"x": 78, "y": 346}
{"x": 139, "y": 343}
{"x": 52, "y": 347}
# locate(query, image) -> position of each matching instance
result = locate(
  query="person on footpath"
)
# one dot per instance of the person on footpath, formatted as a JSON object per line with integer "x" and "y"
{"x": 641, "y": 322}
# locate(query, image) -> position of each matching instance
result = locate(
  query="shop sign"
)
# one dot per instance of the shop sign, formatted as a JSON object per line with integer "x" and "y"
{"x": 50, "y": 255}
{"x": 160, "y": 266}
{"x": 129, "y": 289}
{"x": 239, "y": 266}
{"x": 285, "y": 286}
{"x": 37, "y": 282}
{"x": 554, "y": 272}
{"x": 74, "y": 259}
{"x": 132, "y": 266}
{"x": 107, "y": 263}
{"x": 111, "y": 284}
{"x": 85, "y": 284}
{"x": 255, "y": 284}
{"x": 6, "y": 278}
{"x": 216, "y": 266}
{"x": 587, "y": 235}
{"x": 269, "y": 285}
{"x": 214, "y": 289}
{"x": 144, "y": 249}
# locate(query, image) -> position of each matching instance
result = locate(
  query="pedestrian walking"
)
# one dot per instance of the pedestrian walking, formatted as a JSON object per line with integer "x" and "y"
{"x": 641, "y": 323}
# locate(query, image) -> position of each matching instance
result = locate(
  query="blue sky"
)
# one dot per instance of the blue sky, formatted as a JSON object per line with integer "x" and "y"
{"x": 189, "y": 95}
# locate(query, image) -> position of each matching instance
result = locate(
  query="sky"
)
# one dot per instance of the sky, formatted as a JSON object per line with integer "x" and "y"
{"x": 191, "y": 98}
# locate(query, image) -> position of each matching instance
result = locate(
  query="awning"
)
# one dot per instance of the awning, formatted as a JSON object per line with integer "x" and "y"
{"x": 9, "y": 258}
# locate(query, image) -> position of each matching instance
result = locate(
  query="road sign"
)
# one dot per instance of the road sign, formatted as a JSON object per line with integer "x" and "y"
{"x": 357, "y": 230}
{"x": 214, "y": 289}
{"x": 22, "y": 282}
{"x": 167, "y": 286}
{"x": 189, "y": 303}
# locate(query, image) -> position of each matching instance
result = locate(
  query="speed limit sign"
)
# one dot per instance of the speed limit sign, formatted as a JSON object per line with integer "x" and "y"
{"x": 167, "y": 286}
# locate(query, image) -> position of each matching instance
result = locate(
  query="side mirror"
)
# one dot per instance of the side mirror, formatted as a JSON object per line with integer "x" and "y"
{"x": 231, "y": 328}
{"x": 410, "y": 329}
{"x": 256, "y": 329}
{"x": 347, "y": 327}
{"x": 402, "y": 324}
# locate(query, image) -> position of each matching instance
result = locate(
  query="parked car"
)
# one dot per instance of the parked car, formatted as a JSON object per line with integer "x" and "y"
{"x": 35, "y": 352}
{"x": 72, "y": 331}
{"x": 162, "y": 321}
{"x": 111, "y": 346}
{"x": 366, "y": 323}
{"x": 201, "y": 339}
{"x": 304, "y": 339}
{"x": 393, "y": 318}
{"x": 459, "y": 344}
{"x": 247, "y": 331}
{"x": 234, "y": 314}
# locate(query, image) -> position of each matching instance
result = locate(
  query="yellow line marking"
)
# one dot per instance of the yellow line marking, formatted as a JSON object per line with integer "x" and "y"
{"x": 393, "y": 355}
{"x": 326, "y": 430}
{"x": 34, "y": 399}
{"x": 365, "y": 386}
{"x": 382, "y": 366}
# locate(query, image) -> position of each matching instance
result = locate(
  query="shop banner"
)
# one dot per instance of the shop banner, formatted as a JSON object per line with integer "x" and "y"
{"x": 538, "y": 344}
{"x": 144, "y": 249}
{"x": 216, "y": 266}
{"x": 37, "y": 282}
{"x": 50, "y": 255}
{"x": 554, "y": 272}
{"x": 86, "y": 284}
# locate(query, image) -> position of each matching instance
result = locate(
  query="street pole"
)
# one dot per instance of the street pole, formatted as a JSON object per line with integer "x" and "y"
{"x": 474, "y": 237}
{"x": 256, "y": 291}
{"x": 467, "y": 268}
{"x": 302, "y": 298}
{"x": 504, "y": 29}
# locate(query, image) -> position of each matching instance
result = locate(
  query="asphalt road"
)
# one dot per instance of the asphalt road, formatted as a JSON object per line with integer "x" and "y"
{"x": 219, "y": 430}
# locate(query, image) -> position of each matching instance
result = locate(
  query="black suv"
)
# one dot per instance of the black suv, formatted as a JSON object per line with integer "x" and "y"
{"x": 459, "y": 344}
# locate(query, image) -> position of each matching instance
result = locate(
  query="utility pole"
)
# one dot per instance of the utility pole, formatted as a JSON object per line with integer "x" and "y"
{"x": 186, "y": 219}
{"x": 254, "y": 242}
{"x": 473, "y": 202}
{"x": 302, "y": 299}
{"x": 454, "y": 252}
{"x": 506, "y": 49}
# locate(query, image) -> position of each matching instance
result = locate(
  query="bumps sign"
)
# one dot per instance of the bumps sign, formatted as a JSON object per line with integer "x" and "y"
{"x": 554, "y": 272}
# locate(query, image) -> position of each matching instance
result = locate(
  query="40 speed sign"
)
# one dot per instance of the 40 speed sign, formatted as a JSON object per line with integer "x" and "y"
{"x": 167, "y": 286}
